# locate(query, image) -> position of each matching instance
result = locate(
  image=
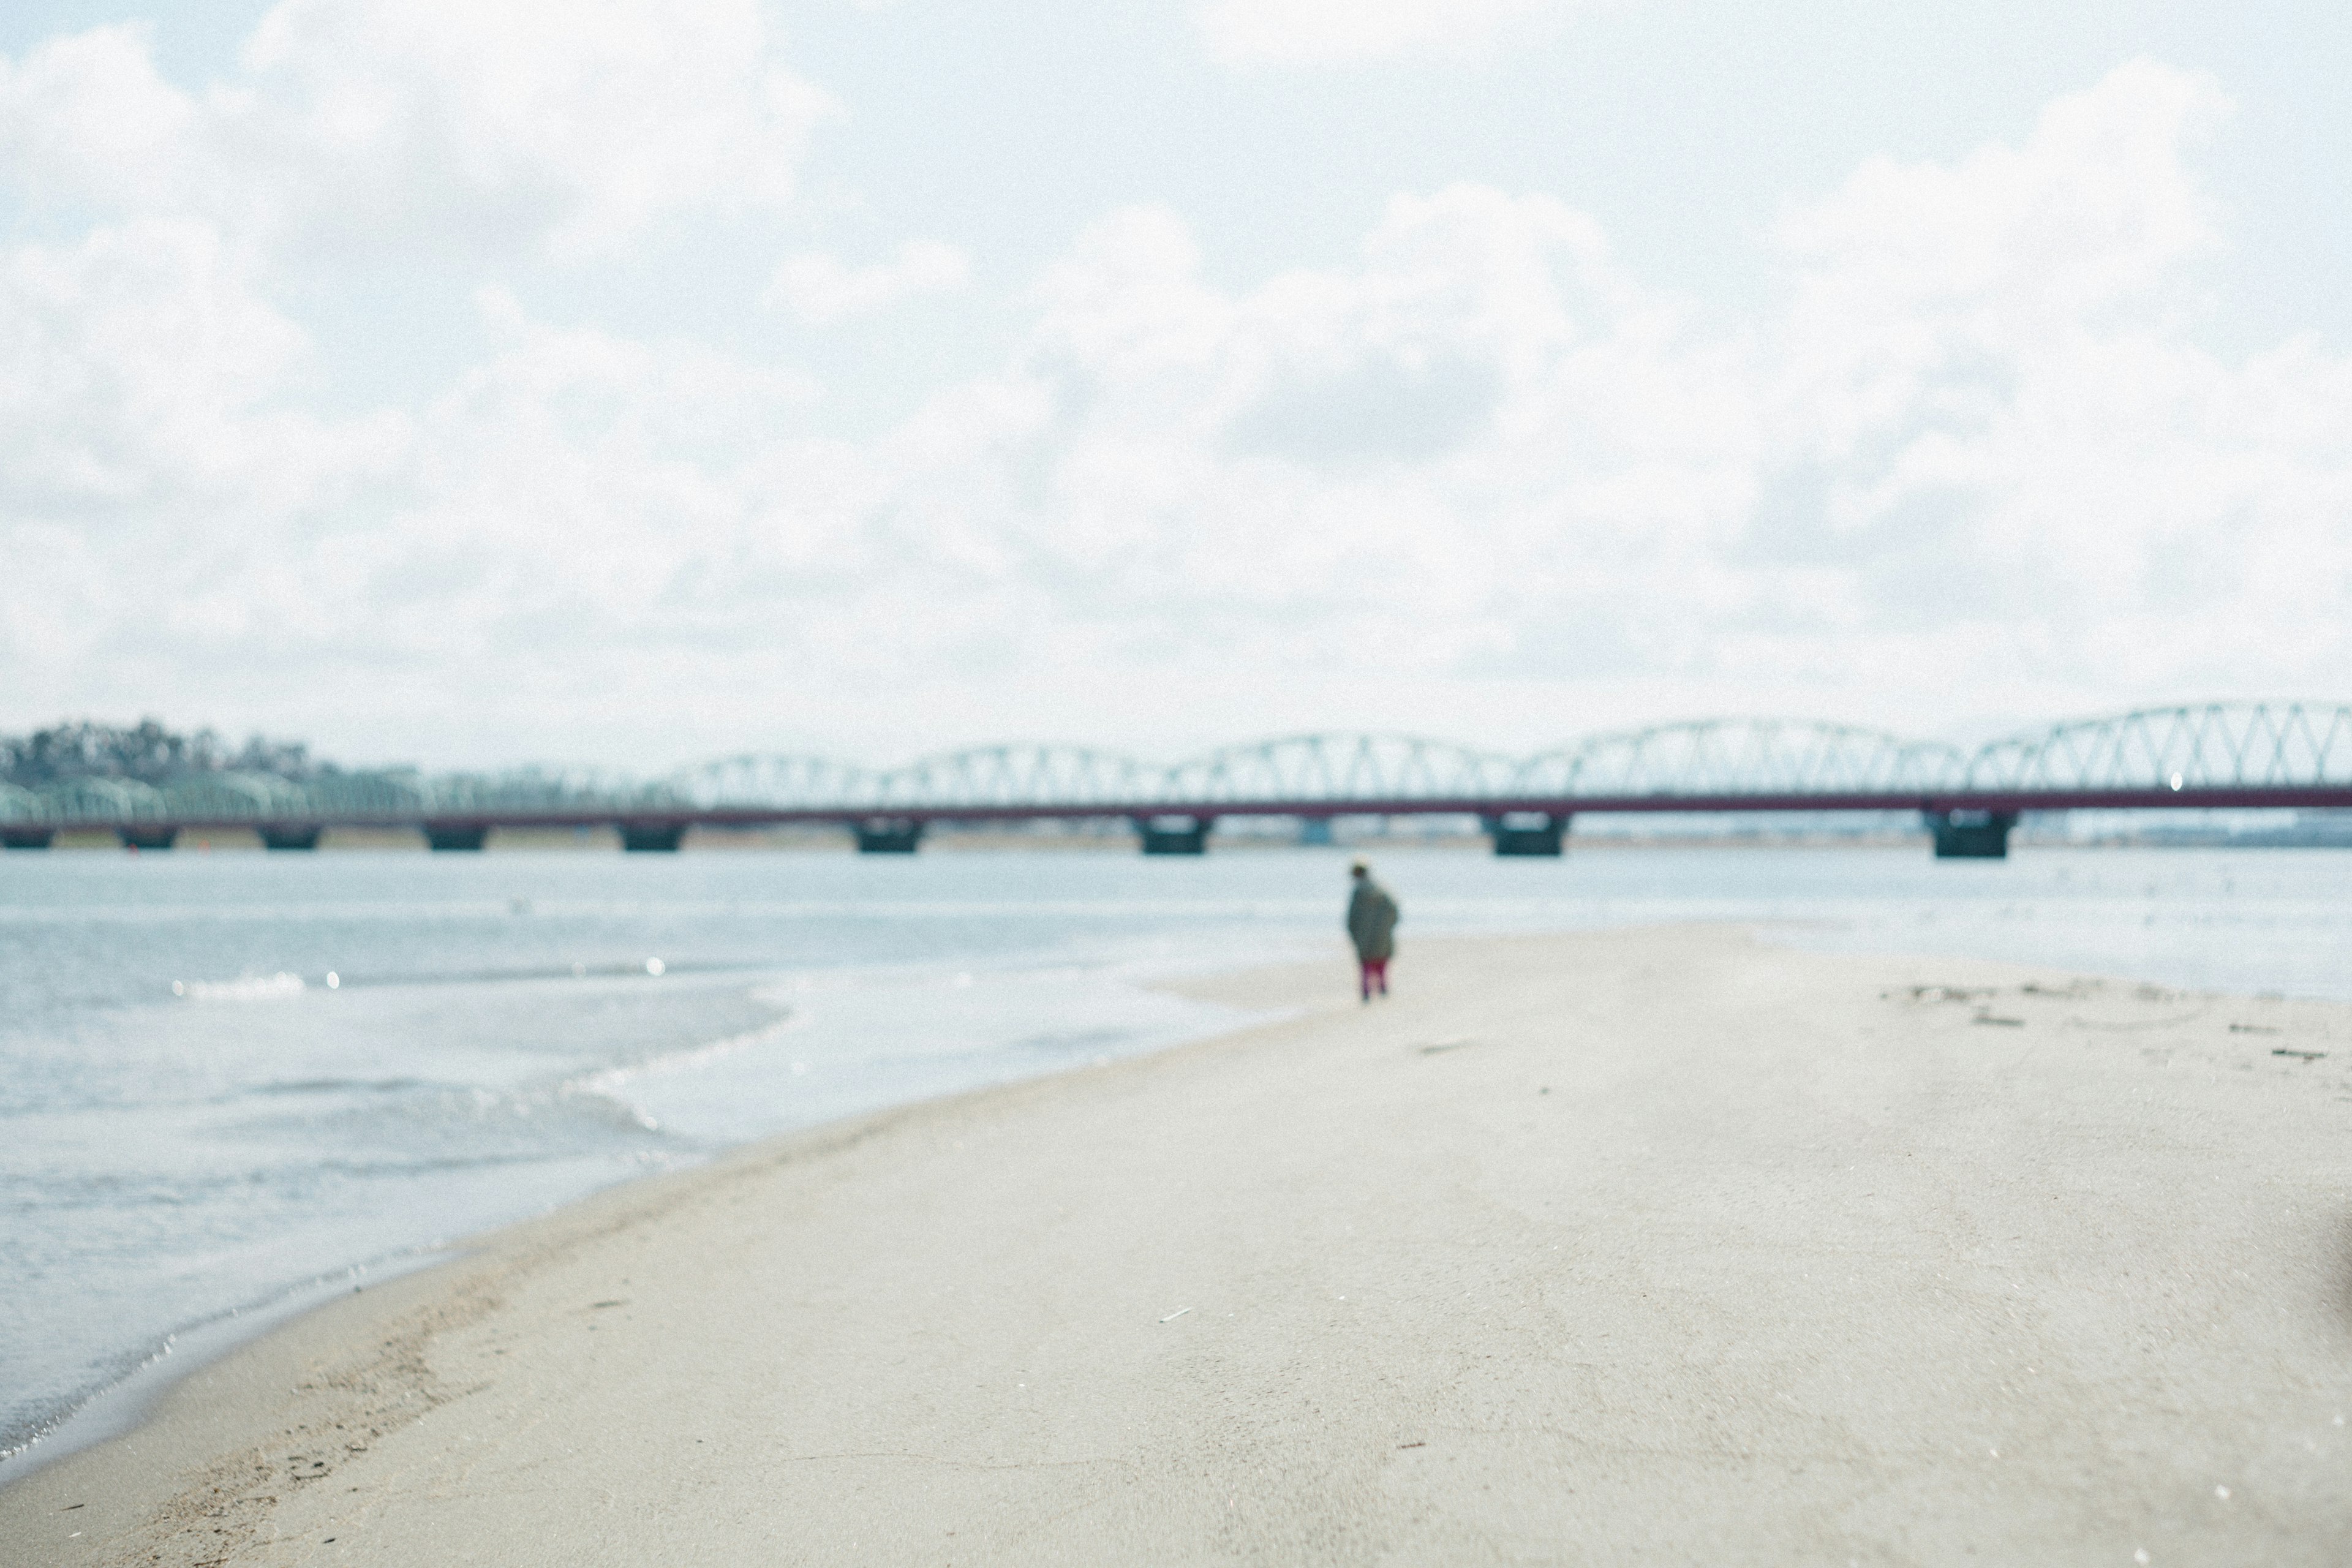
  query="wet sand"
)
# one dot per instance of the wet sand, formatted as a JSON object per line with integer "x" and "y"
{"x": 1651, "y": 1247}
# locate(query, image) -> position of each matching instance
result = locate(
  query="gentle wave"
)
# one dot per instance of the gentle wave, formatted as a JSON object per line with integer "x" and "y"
{"x": 279, "y": 987}
{"x": 607, "y": 1083}
{"x": 285, "y": 984}
{"x": 633, "y": 969}
{"x": 336, "y": 1086}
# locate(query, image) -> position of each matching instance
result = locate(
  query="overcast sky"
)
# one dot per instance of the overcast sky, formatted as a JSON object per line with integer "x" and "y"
{"x": 634, "y": 381}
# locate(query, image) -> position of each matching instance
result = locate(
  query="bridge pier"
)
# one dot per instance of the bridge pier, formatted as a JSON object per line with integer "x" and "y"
{"x": 290, "y": 835}
{"x": 1174, "y": 835}
{"x": 1971, "y": 834}
{"x": 889, "y": 835}
{"x": 26, "y": 837}
{"x": 1529, "y": 832}
{"x": 147, "y": 837}
{"x": 464, "y": 838}
{"x": 651, "y": 837}
{"x": 1315, "y": 832}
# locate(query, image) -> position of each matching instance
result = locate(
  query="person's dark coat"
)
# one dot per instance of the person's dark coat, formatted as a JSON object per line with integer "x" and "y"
{"x": 1371, "y": 922}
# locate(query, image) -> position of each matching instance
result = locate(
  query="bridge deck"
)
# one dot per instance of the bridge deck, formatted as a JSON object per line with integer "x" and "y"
{"x": 643, "y": 815}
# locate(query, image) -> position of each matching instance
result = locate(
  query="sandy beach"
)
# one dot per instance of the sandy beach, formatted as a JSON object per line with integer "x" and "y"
{"x": 1665, "y": 1246}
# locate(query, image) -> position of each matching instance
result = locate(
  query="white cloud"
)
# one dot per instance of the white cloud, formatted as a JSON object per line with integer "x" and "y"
{"x": 87, "y": 119}
{"x": 370, "y": 125}
{"x": 1997, "y": 447}
{"x": 819, "y": 289}
{"x": 152, "y": 471}
{"x": 1413, "y": 453}
{"x": 1476, "y": 481}
{"x": 1338, "y": 32}
{"x": 149, "y": 391}
{"x": 134, "y": 359}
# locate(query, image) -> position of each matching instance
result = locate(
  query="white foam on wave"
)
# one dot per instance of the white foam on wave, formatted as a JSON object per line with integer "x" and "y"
{"x": 609, "y": 1083}
{"x": 279, "y": 987}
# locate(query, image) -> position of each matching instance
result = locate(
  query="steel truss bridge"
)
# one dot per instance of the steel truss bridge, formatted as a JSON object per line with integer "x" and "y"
{"x": 2218, "y": 755}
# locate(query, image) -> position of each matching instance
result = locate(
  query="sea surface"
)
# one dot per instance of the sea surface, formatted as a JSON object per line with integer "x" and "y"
{"x": 233, "y": 1083}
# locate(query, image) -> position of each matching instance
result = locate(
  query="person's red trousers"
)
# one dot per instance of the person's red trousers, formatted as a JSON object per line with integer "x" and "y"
{"x": 1376, "y": 974}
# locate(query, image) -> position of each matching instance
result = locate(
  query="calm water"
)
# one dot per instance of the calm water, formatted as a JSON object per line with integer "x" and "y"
{"x": 196, "y": 1128}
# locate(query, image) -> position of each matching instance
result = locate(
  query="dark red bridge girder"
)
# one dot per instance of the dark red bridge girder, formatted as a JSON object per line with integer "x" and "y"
{"x": 2337, "y": 796}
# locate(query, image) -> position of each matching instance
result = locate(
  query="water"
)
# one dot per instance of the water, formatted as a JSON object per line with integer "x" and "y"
{"x": 197, "y": 1128}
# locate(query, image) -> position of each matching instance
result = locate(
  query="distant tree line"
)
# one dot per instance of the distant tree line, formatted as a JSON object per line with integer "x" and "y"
{"x": 148, "y": 753}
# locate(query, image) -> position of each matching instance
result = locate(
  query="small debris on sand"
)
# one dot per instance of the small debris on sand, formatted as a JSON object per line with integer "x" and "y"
{"x": 1947, "y": 993}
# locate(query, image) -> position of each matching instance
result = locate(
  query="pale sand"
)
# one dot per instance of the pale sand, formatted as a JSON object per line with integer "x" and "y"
{"x": 1662, "y": 1247}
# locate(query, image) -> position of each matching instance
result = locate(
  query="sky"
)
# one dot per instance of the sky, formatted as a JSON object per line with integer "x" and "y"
{"x": 632, "y": 382}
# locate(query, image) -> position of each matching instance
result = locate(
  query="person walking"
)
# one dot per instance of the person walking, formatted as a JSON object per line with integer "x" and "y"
{"x": 1372, "y": 926}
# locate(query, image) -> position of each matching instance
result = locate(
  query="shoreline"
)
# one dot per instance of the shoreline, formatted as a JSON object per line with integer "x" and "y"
{"x": 449, "y": 1288}
{"x": 116, "y": 1408}
{"x": 410, "y": 1364}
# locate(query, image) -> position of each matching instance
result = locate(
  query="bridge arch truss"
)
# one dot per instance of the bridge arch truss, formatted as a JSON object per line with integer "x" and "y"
{"x": 2232, "y": 746}
{"x": 2212, "y": 755}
